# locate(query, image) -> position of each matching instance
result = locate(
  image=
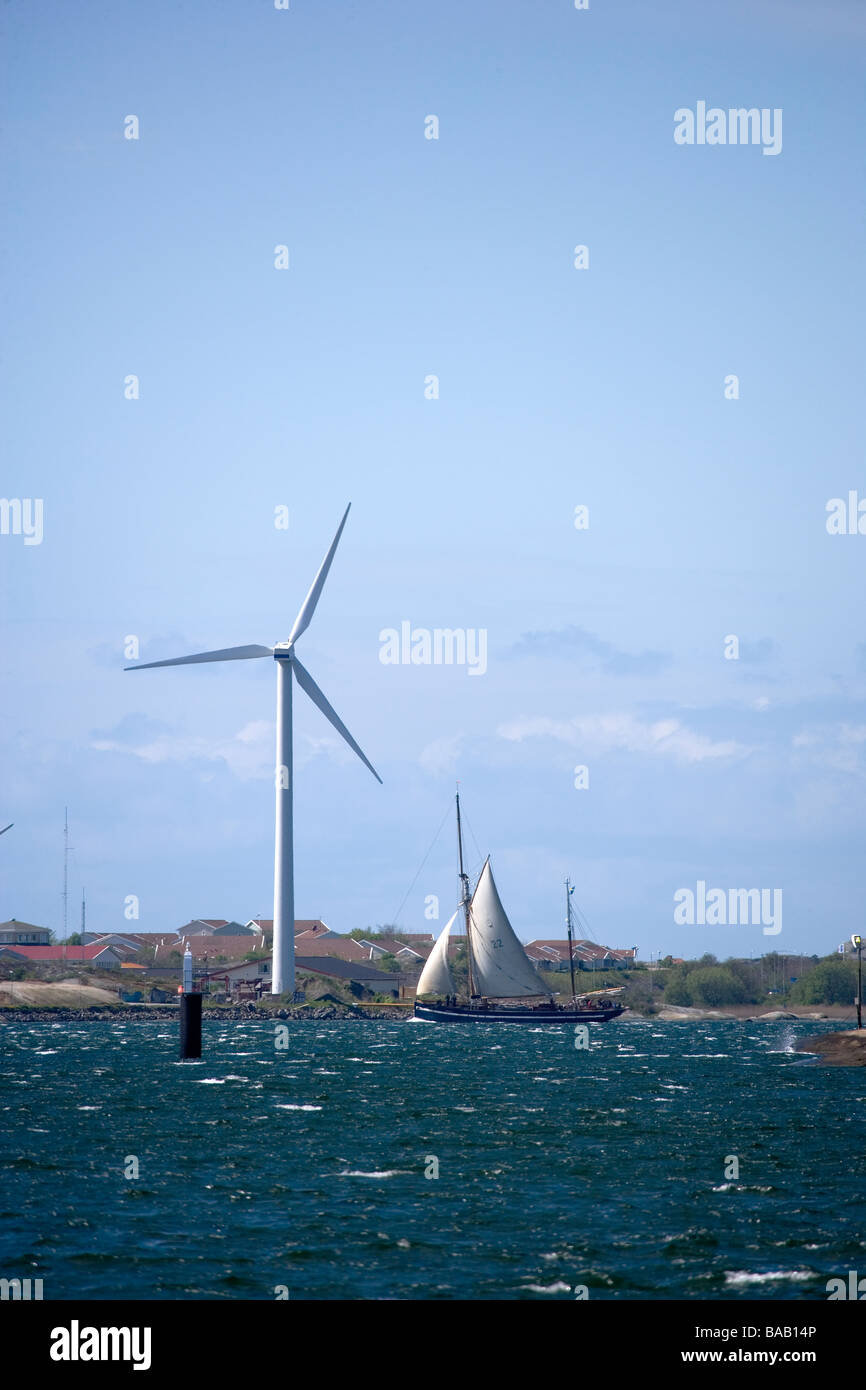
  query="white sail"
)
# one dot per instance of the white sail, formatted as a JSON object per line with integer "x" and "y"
{"x": 436, "y": 978}
{"x": 501, "y": 966}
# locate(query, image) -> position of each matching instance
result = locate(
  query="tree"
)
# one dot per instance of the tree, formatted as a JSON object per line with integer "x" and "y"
{"x": 833, "y": 981}
{"x": 713, "y": 985}
{"x": 677, "y": 991}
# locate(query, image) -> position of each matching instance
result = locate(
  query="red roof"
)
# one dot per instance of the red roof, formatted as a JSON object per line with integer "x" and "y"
{"x": 554, "y": 950}
{"x": 90, "y": 952}
{"x": 302, "y": 924}
{"x": 230, "y": 947}
{"x": 338, "y": 947}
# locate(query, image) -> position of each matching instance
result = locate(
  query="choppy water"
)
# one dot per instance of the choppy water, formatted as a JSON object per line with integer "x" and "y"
{"x": 306, "y": 1167}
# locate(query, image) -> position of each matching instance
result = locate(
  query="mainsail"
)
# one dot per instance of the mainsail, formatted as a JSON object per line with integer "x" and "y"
{"x": 436, "y": 978}
{"x": 502, "y": 968}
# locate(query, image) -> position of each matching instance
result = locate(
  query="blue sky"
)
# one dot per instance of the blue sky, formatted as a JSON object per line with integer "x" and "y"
{"x": 557, "y": 387}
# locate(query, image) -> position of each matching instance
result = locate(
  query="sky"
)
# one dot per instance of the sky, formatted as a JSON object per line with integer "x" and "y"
{"x": 432, "y": 354}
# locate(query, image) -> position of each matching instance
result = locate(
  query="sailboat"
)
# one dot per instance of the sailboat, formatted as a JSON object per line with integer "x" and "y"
{"x": 504, "y": 986}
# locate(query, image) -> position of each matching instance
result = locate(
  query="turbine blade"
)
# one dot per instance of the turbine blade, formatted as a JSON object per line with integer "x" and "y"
{"x": 308, "y": 608}
{"x": 225, "y": 654}
{"x": 7, "y": 827}
{"x": 307, "y": 684}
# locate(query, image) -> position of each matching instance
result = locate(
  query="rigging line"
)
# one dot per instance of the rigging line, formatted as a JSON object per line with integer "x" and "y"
{"x": 583, "y": 921}
{"x": 481, "y": 856}
{"x": 396, "y": 918}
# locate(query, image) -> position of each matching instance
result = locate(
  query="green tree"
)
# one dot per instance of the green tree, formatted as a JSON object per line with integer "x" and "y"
{"x": 714, "y": 985}
{"x": 833, "y": 981}
{"x": 677, "y": 990}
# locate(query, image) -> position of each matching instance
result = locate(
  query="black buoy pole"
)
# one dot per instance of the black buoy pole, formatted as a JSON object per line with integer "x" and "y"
{"x": 190, "y": 1027}
{"x": 190, "y": 1014}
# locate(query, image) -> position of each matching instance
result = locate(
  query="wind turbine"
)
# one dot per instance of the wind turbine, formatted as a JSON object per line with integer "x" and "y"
{"x": 283, "y": 969}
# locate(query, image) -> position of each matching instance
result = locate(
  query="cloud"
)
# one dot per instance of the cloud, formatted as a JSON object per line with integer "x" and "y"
{"x": 249, "y": 754}
{"x": 133, "y": 729}
{"x": 840, "y": 747}
{"x": 441, "y": 755}
{"x": 570, "y": 641}
{"x": 610, "y": 733}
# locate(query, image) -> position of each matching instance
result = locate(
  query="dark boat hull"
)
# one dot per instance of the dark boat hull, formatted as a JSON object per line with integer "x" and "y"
{"x": 462, "y": 1013}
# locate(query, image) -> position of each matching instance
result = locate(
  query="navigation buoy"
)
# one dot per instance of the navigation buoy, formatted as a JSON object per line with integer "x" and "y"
{"x": 190, "y": 1014}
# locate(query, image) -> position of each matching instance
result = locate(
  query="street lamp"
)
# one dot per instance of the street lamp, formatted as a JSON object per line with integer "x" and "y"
{"x": 857, "y": 943}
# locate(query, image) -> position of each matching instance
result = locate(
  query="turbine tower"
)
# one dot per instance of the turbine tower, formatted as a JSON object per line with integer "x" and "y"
{"x": 283, "y": 971}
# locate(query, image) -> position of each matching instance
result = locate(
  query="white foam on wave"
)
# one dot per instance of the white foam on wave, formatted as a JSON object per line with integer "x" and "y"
{"x": 297, "y": 1107}
{"x": 357, "y": 1173}
{"x": 558, "y": 1287}
{"x": 771, "y": 1276}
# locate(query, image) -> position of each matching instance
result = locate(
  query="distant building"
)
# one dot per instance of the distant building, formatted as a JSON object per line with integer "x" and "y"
{"x": 588, "y": 955}
{"x": 385, "y": 947}
{"x": 14, "y": 933}
{"x": 350, "y": 972}
{"x": 102, "y": 957}
{"x": 304, "y": 926}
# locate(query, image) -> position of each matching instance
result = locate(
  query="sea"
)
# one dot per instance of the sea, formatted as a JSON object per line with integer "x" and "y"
{"x": 411, "y": 1160}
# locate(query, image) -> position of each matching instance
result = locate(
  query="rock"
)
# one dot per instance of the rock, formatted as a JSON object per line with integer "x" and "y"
{"x": 774, "y": 1016}
{"x": 837, "y": 1049}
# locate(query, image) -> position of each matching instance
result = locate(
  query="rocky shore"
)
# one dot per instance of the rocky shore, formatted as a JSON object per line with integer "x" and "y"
{"x": 155, "y": 1013}
{"x": 837, "y": 1049}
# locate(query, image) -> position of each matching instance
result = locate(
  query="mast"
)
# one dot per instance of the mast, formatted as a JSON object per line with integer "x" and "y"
{"x": 568, "y": 891}
{"x": 464, "y": 879}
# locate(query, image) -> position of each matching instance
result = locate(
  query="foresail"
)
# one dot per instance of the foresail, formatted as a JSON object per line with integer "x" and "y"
{"x": 436, "y": 978}
{"x": 501, "y": 966}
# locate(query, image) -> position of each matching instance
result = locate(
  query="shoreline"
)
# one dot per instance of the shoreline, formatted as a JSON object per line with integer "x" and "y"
{"x": 161, "y": 1013}
{"x": 837, "y": 1049}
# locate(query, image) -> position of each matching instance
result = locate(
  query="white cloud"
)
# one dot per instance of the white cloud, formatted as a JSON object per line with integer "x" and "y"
{"x": 608, "y": 733}
{"x": 839, "y": 747}
{"x": 441, "y": 755}
{"x": 249, "y": 754}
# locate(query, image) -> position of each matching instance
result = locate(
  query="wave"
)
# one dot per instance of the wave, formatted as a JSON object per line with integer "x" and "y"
{"x": 771, "y": 1276}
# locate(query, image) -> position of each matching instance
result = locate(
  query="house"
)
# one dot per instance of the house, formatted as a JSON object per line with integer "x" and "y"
{"x": 387, "y": 947}
{"x": 202, "y": 926}
{"x": 349, "y": 972}
{"x": 125, "y": 946}
{"x": 211, "y": 947}
{"x": 306, "y": 926}
{"x": 379, "y": 981}
{"x": 14, "y": 933}
{"x": 246, "y": 970}
{"x": 102, "y": 957}
{"x": 337, "y": 947}
{"x": 553, "y": 954}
